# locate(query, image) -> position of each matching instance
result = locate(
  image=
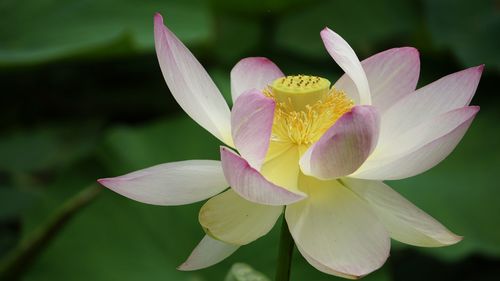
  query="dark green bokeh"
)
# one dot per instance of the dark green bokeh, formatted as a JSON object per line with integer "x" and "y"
{"x": 83, "y": 98}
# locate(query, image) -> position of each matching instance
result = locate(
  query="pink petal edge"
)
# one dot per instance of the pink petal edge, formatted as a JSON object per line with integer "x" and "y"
{"x": 251, "y": 184}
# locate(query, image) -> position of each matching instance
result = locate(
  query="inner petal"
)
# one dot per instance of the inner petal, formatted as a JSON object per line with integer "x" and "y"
{"x": 282, "y": 165}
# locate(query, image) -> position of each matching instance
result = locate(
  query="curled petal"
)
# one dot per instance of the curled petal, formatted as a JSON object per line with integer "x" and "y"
{"x": 420, "y": 148}
{"x": 404, "y": 221}
{"x": 345, "y": 146}
{"x": 392, "y": 75}
{"x": 175, "y": 183}
{"x": 251, "y": 185}
{"x": 253, "y": 73}
{"x": 251, "y": 125}
{"x": 235, "y": 220}
{"x": 345, "y": 57}
{"x": 208, "y": 252}
{"x": 336, "y": 231}
{"x": 190, "y": 84}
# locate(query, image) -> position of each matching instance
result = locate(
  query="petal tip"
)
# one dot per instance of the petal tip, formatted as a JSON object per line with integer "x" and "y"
{"x": 104, "y": 181}
{"x": 262, "y": 60}
{"x": 451, "y": 240}
{"x": 325, "y": 29}
{"x": 324, "y": 32}
{"x": 183, "y": 267}
{"x": 475, "y": 108}
{"x": 412, "y": 51}
{"x": 158, "y": 18}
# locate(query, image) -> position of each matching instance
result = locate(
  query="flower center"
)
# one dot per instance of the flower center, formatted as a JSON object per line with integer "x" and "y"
{"x": 300, "y": 90}
{"x": 306, "y": 107}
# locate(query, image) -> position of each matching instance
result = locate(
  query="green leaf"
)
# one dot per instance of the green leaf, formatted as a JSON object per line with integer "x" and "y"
{"x": 469, "y": 28}
{"x": 362, "y": 23}
{"x": 13, "y": 202}
{"x": 256, "y": 6}
{"x": 35, "y": 31}
{"x": 244, "y": 272}
{"x": 46, "y": 148}
{"x": 229, "y": 47}
{"x": 179, "y": 138}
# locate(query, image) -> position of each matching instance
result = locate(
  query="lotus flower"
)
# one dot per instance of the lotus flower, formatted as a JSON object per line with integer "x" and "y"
{"x": 316, "y": 152}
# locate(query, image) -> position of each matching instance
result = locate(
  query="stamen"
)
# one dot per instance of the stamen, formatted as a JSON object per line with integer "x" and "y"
{"x": 306, "y": 125}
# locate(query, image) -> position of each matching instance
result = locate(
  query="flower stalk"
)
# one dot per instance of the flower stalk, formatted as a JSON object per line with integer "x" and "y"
{"x": 285, "y": 253}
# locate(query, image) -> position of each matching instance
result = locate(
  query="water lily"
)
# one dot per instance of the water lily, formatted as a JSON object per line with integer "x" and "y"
{"x": 315, "y": 151}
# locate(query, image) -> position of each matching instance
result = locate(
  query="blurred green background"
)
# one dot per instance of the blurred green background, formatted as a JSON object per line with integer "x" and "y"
{"x": 83, "y": 98}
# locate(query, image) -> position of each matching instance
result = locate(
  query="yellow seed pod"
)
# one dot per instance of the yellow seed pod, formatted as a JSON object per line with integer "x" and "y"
{"x": 300, "y": 90}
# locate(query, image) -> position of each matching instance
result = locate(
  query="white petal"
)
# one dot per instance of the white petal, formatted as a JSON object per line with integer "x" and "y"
{"x": 391, "y": 74}
{"x": 251, "y": 125}
{"x": 420, "y": 148}
{"x": 175, "y": 183}
{"x": 190, "y": 84}
{"x": 345, "y": 57}
{"x": 208, "y": 252}
{"x": 251, "y": 184}
{"x": 234, "y": 220}
{"x": 253, "y": 73}
{"x": 345, "y": 146}
{"x": 337, "y": 231}
{"x": 450, "y": 92}
{"x": 322, "y": 267}
{"x": 404, "y": 221}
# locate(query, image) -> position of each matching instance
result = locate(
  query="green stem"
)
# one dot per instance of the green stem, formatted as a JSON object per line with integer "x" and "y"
{"x": 26, "y": 252}
{"x": 285, "y": 254}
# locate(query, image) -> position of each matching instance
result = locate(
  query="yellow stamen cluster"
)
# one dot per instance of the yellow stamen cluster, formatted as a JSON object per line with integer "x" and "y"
{"x": 305, "y": 124}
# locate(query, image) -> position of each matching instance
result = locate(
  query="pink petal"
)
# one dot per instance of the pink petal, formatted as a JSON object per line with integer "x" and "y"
{"x": 251, "y": 185}
{"x": 208, "y": 252}
{"x": 190, "y": 84}
{"x": 419, "y": 149}
{"x": 392, "y": 75}
{"x": 450, "y": 92}
{"x": 251, "y": 124}
{"x": 345, "y": 57}
{"x": 345, "y": 146}
{"x": 253, "y": 73}
{"x": 175, "y": 183}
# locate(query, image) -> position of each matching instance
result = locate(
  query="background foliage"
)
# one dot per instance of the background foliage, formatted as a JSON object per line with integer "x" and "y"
{"x": 83, "y": 98}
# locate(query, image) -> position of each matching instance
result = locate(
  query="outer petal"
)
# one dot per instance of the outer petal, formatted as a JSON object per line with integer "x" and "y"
{"x": 208, "y": 252}
{"x": 251, "y": 185}
{"x": 253, "y": 73}
{"x": 251, "y": 124}
{"x": 345, "y": 146}
{"x": 419, "y": 149}
{"x": 345, "y": 57}
{"x": 175, "y": 183}
{"x": 450, "y": 92}
{"x": 190, "y": 84}
{"x": 392, "y": 74}
{"x": 336, "y": 231}
{"x": 232, "y": 219}
{"x": 404, "y": 221}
